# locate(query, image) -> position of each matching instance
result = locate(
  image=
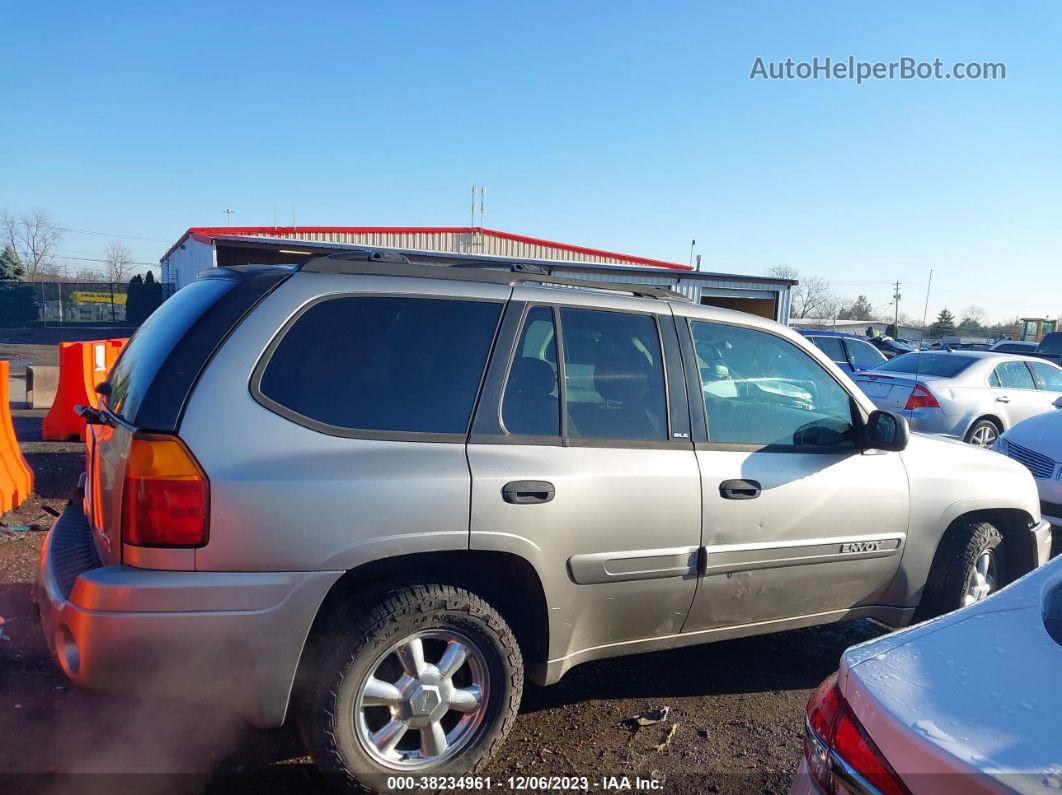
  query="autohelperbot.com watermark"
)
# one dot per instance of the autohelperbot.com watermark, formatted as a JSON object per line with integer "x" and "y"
{"x": 905, "y": 68}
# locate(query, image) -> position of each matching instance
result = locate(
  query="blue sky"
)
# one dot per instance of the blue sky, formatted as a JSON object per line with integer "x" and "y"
{"x": 631, "y": 126}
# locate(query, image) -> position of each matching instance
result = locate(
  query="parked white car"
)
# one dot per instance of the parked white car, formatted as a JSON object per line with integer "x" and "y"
{"x": 966, "y": 703}
{"x": 1037, "y": 443}
{"x": 973, "y": 396}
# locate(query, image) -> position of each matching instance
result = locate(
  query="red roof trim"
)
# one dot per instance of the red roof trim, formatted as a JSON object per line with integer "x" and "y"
{"x": 212, "y": 231}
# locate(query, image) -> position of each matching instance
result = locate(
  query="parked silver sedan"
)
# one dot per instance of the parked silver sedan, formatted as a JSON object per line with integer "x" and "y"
{"x": 969, "y": 395}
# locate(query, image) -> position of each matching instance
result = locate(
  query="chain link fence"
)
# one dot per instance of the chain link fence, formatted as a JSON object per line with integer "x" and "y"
{"x": 34, "y": 304}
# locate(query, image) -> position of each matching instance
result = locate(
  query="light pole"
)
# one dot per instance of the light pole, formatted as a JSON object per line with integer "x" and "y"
{"x": 228, "y": 215}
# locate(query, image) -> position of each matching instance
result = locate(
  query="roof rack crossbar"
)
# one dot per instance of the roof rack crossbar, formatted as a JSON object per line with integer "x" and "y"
{"x": 390, "y": 264}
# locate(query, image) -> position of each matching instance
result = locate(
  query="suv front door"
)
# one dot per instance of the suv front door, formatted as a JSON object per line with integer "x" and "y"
{"x": 798, "y": 520}
{"x": 582, "y": 464}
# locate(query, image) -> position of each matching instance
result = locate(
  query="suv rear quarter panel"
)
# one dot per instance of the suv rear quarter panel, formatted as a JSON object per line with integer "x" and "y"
{"x": 284, "y": 497}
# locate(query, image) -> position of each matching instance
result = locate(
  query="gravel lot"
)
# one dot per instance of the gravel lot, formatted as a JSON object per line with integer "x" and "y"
{"x": 735, "y": 720}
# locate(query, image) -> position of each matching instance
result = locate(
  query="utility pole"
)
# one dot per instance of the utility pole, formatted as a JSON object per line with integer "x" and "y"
{"x": 896, "y": 317}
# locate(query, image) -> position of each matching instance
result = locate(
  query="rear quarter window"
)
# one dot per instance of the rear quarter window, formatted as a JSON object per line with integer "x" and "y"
{"x": 380, "y": 365}
{"x": 140, "y": 362}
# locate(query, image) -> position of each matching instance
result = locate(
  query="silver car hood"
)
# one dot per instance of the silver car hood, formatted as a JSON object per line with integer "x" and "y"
{"x": 1041, "y": 434}
{"x": 974, "y": 691}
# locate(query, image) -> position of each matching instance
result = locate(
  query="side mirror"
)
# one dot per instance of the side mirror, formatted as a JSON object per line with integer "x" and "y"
{"x": 1058, "y": 403}
{"x": 886, "y": 430}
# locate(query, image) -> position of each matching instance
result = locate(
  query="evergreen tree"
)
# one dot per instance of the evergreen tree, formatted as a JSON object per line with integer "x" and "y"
{"x": 10, "y": 265}
{"x": 144, "y": 297}
{"x": 134, "y": 300}
{"x": 944, "y": 325}
{"x": 859, "y": 309}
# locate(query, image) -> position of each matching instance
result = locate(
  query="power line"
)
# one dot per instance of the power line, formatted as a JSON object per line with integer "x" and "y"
{"x": 92, "y": 259}
{"x": 108, "y": 235}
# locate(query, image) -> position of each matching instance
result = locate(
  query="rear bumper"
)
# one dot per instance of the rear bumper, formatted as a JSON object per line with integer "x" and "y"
{"x": 228, "y": 637}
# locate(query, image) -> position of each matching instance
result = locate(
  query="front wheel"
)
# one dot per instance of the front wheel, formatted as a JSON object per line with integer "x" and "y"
{"x": 968, "y": 567}
{"x": 428, "y": 683}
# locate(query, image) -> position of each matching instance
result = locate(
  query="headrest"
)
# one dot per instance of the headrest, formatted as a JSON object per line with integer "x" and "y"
{"x": 530, "y": 376}
{"x": 621, "y": 378}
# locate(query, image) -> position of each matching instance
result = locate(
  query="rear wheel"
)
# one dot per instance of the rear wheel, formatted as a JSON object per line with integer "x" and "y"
{"x": 983, "y": 433}
{"x": 968, "y": 567}
{"x": 426, "y": 682}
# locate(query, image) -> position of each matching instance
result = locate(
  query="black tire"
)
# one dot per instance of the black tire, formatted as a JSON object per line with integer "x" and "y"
{"x": 953, "y": 566}
{"x": 343, "y": 659}
{"x": 982, "y": 426}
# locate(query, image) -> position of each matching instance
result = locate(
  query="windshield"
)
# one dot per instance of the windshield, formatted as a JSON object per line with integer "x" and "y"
{"x": 944, "y": 365}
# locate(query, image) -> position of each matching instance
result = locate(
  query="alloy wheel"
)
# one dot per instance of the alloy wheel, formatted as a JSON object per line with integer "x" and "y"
{"x": 422, "y": 701}
{"x": 982, "y": 580}
{"x": 984, "y": 436}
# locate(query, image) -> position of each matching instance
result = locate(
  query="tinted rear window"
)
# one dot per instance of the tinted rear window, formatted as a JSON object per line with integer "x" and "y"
{"x": 383, "y": 364}
{"x": 153, "y": 342}
{"x": 943, "y": 365}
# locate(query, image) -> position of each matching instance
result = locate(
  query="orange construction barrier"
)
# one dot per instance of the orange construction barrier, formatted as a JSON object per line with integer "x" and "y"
{"x": 16, "y": 477}
{"x": 82, "y": 365}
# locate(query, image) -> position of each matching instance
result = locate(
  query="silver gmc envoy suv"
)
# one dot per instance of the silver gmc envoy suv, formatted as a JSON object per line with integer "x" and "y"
{"x": 375, "y": 495}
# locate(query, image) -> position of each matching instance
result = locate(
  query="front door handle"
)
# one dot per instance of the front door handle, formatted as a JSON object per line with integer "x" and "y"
{"x": 739, "y": 489}
{"x": 1003, "y": 399}
{"x": 528, "y": 492}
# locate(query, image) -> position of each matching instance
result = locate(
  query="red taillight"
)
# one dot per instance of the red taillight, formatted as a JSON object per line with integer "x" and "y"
{"x": 835, "y": 740}
{"x": 921, "y": 398}
{"x": 165, "y": 498}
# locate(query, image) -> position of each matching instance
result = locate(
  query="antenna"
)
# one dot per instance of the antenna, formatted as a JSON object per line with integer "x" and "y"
{"x": 692, "y": 244}
{"x": 482, "y": 204}
{"x": 922, "y": 336}
{"x": 925, "y": 312}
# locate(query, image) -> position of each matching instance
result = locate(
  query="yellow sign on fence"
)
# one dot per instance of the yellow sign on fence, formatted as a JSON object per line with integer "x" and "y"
{"x": 98, "y": 298}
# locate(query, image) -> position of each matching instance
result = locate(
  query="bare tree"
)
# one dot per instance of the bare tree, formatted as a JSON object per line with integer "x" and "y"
{"x": 87, "y": 274}
{"x": 812, "y": 297}
{"x": 976, "y": 315}
{"x": 119, "y": 262}
{"x": 34, "y": 237}
{"x": 783, "y": 272}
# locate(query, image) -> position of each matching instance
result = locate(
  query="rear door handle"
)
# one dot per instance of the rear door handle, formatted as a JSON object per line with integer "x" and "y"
{"x": 528, "y": 492}
{"x": 1003, "y": 399}
{"x": 739, "y": 489}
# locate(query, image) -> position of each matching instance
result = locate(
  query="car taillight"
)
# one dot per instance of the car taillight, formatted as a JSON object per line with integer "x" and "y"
{"x": 836, "y": 746}
{"x": 921, "y": 398}
{"x": 164, "y": 502}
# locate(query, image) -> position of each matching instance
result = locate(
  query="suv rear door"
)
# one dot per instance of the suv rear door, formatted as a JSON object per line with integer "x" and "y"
{"x": 582, "y": 464}
{"x": 798, "y": 520}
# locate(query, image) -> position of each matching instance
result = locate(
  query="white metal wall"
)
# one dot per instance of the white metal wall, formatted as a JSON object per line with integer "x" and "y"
{"x": 185, "y": 261}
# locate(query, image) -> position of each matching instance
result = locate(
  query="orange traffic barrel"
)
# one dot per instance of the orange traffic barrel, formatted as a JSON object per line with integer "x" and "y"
{"x": 16, "y": 477}
{"x": 82, "y": 365}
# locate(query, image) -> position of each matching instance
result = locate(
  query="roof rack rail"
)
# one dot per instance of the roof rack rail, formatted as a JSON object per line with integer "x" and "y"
{"x": 389, "y": 263}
